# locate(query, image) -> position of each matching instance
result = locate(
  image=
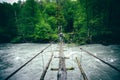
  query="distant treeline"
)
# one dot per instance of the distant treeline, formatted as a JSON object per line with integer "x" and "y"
{"x": 83, "y": 21}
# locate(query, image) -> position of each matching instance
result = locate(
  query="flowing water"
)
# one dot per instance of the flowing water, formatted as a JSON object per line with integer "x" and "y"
{"x": 12, "y": 56}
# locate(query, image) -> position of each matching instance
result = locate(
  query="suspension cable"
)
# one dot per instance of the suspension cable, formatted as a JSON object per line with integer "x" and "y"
{"x": 101, "y": 60}
{"x": 27, "y": 62}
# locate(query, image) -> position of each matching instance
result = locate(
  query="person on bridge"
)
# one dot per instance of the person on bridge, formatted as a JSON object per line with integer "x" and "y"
{"x": 61, "y": 36}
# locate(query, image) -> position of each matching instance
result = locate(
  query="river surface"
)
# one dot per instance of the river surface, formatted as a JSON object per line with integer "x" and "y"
{"x": 12, "y": 56}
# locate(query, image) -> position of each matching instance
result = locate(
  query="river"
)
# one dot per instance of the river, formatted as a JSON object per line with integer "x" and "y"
{"x": 12, "y": 56}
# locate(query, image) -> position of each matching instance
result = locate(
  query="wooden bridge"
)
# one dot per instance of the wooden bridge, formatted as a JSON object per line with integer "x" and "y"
{"x": 62, "y": 70}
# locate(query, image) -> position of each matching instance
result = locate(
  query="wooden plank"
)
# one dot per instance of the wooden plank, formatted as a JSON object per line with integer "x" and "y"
{"x": 62, "y": 57}
{"x": 81, "y": 69}
{"x": 46, "y": 68}
{"x": 62, "y": 73}
{"x": 55, "y": 69}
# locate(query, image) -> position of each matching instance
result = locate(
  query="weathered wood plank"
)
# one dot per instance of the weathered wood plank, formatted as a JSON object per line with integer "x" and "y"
{"x": 62, "y": 72}
{"x": 81, "y": 69}
{"x": 46, "y": 68}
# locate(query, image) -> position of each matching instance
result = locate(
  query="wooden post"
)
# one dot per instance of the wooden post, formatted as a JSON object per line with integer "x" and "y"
{"x": 81, "y": 69}
{"x": 46, "y": 68}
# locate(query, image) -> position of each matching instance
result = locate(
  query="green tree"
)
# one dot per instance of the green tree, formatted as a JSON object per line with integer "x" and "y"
{"x": 42, "y": 32}
{"x": 7, "y": 22}
{"x": 29, "y": 17}
{"x": 69, "y": 8}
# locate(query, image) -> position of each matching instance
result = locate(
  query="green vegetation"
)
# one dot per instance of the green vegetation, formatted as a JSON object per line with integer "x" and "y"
{"x": 83, "y": 21}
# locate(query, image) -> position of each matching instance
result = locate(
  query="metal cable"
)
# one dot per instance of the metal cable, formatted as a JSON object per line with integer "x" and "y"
{"x": 26, "y": 63}
{"x": 101, "y": 60}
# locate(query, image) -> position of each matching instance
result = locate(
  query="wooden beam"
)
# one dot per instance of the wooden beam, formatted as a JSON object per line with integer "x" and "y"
{"x": 81, "y": 69}
{"x": 55, "y": 69}
{"x": 46, "y": 68}
{"x": 62, "y": 57}
{"x": 62, "y": 72}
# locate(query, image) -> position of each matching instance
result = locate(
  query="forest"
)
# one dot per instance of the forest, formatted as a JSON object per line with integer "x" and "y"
{"x": 82, "y": 21}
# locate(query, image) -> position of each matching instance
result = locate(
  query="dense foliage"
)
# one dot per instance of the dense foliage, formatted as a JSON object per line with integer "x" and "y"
{"x": 83, "y": 21}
